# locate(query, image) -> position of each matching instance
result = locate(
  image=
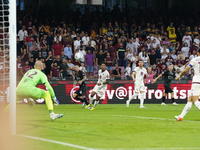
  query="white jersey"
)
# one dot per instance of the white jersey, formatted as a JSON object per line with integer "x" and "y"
{"x": 195, "y": 64}
{"x": 140, "y": 73}
{"x": 103, "y": 76}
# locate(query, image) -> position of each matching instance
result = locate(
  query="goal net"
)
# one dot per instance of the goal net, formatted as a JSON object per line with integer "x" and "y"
{"x": 8, "y": 57}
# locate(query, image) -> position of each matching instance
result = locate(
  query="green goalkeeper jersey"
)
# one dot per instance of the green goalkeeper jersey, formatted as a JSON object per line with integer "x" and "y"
{"x": 33, "y": 77}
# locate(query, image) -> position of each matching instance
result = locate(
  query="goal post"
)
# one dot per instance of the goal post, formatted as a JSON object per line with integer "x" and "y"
{"x": 12, "y": 53}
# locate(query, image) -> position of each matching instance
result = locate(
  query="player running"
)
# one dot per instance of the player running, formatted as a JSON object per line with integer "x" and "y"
{"x": 81, "y": 92}
{"x": 27, "y": 89}
{"x": 195, "y": 89}
{"x": 168, "y": 76}
{"x": 138, "y": 77}
{"x": 100, "y": 87}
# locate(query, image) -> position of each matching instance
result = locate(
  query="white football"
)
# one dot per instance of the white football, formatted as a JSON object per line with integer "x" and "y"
{"x": 78, "y": 56}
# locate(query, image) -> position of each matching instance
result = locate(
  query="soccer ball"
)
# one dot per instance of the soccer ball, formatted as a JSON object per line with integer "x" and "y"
{"x": 78, "y": 56}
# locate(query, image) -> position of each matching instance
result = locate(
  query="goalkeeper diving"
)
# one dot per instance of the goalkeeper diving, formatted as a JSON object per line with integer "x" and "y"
{"x": 27, "y": 89}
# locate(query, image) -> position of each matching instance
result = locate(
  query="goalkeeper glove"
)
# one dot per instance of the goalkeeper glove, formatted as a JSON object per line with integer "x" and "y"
{"x": 56, "y": 102}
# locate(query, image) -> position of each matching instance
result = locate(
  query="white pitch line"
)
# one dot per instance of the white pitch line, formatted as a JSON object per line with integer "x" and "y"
{"x": 141, "y": 117}
{"x": 170, "y": 148}
{"x": 57, "y": 142}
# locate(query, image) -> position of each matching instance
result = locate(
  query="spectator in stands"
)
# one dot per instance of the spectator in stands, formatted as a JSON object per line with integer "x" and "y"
{"x": 89, "y": 47}
{"x": 50, "y": 40}
{"x": 117, "y": 73}
{"x": 31, "y": 62}
{"x": 136, "y": 45}
{"x": 100, "y": 58}
{"x": 190, "y": 76}
{"x": 68, "y": 51}
{"x": 130, "y": 45}
{"x": 121, "y": 57}
{"x": 24, "y": 57}
{"x": 89, "y": 61}
{"x": 164, "y": 52}
{"x": 73, "y": 59}
{"x": 129, "y": 55}
{"x": 85, "y": 39}
{"x": 64, "y": 69}
{"x": 118, "y": 43}
{"x": 178, "y": 72}
{"x": 109, "y": 61}
{"x": 77, "y": 42}
{"x": 145, "y": 59}
{"x": 134, "y": 59}
{"x": 173, "y": 55}
{"x": 155, "y": 70}
{"x": 180, "y": 66}
{"x": 21, "y": 35}
{"x": 106, "y": 49}
{"x": 55, "y": 72}
{"x": 197, "y": 41}
{"x": 193, "y": 48}
{"x": 70, "y": 65}
{"x": 194, "y": 55}
{"x": 187, "y": 38}
{"x": 25, "y": 68}
{"x": 63, "y": 56}
{"x": 128, "y": 71}
{"x": 49, "y": 61}
{"x": 185, "y": 49}
{"x": 58, "y": 37}
{"x": 81, "y": 44}
{"x": 172, "y": 47}
{"x": 82, "y": 51}
{"x": 57, "y": 48}
{"x": 153, "y": 58}
{"x": 166, "y": 42}
{"x": 169, "y": 60}
{"x": 82, "y": 68}
{"x": 149, "y": 79}
{"x": 58, "y": 61}
{"x": 163, "y": 68}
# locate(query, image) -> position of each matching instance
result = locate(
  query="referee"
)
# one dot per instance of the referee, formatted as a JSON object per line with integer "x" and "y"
{"x": 168, "y": 76}
{"x": 81, "y": 92}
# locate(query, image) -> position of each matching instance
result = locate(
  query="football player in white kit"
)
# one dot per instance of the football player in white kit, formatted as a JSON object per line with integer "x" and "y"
{"x": 195, "y": 88}
{"x": 100, "y": 87}
{"x": 139, "y": 72}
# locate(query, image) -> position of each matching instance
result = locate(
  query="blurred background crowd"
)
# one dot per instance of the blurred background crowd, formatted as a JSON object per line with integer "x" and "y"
{"x": 118, "y": 37}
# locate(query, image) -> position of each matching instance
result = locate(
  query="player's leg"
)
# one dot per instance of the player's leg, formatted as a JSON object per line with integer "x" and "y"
{"x": 186, "y": 109}
{"x": 91, "y": 99}
{"x": 96, "y": 102}
{"x": 164, "y": 96}
{"x": 192, "y": 100}
{"x": 100, "y": 93}
{"x": 172, "y": 97}
{"x": 47, "y": 97}
{"x": 142, "y": 95}
{"x": 133, "y": 96}
{"x": 83, "y": 91}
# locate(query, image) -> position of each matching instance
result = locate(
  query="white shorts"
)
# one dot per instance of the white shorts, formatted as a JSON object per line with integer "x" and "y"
{"x": 139, "y": 87}
{"x": 100, "y": 90}
{"x": 195, "y": 90}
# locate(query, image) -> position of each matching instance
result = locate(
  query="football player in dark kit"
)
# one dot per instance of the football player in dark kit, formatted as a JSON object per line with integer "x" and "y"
{"x": 81, "y": 92}
{"x": 168, "y": 76}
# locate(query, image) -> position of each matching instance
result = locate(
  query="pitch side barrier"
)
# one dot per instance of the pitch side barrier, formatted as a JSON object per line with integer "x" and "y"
{"x": 118, "y": 92}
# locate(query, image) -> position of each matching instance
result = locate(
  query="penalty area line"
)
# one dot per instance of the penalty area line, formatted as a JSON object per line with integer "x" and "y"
{"x": 170, "y": 148}
{"x": 57, "y": 142}
{"x": 152, "y": 118}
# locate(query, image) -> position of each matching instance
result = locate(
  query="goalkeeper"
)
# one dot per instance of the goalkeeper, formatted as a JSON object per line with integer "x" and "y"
{"x": 27, "y": 89}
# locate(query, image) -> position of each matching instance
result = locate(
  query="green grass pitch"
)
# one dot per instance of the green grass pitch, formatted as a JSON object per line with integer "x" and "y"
{"x": 109, "y": 127}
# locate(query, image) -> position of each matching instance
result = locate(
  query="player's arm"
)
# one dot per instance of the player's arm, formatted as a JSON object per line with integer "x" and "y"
{"x": 183, "y": 72}
{"x": 75, "y": 82}
{"x": 133, "y": 76}
{"x": 84, "y": 78}
{"x": 50, "y": 89}
{"x": 157, "y": 78}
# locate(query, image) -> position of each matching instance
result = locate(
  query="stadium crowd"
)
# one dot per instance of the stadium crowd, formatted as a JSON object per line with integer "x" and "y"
{"x": 118, "y": 38}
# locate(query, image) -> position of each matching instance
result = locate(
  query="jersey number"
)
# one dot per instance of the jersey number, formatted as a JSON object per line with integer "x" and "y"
{"x": 100, "y": 77}
{"x": 141, "y": 73}
{"x": 30, "y": 76}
